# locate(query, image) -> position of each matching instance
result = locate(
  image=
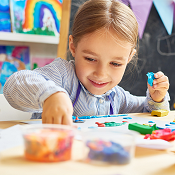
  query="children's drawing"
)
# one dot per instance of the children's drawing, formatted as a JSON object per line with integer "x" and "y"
{"x": 5, "y": 22}
{"x": 36, "y": 16}
{"x": 40, "y": 62}
{"x": 12, "y": 59}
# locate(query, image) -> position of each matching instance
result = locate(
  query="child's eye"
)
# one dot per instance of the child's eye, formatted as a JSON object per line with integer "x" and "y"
{"x": 89, "y": 59}
{"x": 115, "y": 64}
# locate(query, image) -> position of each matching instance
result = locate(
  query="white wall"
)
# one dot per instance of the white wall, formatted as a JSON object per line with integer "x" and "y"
{"x": 8, "y": 113}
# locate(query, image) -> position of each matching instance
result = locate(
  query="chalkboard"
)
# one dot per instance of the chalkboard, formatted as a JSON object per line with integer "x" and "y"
{"x": 156, "y": 53}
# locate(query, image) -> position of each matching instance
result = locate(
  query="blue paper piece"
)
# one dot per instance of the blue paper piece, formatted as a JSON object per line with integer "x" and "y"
{"x": 165, "y": 10}
{"x": 150, "y": 78}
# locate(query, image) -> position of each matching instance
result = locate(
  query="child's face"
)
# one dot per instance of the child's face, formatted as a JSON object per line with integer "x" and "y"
{"x": 100, "y": 61}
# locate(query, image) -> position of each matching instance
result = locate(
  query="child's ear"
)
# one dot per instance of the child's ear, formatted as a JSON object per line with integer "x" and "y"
{"x": 131, "y": 55}
{"x": 71, "y": 45}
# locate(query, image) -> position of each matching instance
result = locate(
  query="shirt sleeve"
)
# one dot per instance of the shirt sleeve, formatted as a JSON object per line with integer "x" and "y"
{"x": 150, "y": 104}
{"x": 136, "y": 104}
{"x": 26, "y": 90}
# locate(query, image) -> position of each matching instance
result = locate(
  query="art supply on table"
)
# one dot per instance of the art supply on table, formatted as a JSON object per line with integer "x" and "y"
{"x": 164, "y": 134}
{"x": 142, "y": 129}
{"x": 109, "y": 124}
{"x": 150, "y": 78}
{"x": 47, "y": 142}
{"x": 108, "y": 147}
{"x": 160, "y": 112}
{"x": 77, "y": 120}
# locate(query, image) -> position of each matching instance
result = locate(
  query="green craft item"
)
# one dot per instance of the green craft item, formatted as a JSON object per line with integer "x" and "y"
{"x": 111, "y": 124}
{"x": 142, "y": 129}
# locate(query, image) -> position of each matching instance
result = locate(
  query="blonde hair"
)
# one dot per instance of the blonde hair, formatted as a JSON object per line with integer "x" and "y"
{"x": 109, "y": 14}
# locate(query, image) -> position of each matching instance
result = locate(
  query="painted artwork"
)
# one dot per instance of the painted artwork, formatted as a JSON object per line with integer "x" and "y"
{"x": 12, "y": 59}
{"x": 40, "y": 62}
{"x": 5, "y": 22}
{"x": 40, "y": 17}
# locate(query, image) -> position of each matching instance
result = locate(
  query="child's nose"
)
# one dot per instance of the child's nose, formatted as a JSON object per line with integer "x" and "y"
{"x": 100, "y": 71}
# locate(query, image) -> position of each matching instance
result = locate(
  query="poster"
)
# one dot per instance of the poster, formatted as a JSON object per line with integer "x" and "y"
{"x": 12, "y": 59}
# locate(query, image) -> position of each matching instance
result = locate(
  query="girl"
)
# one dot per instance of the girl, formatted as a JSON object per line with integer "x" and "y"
{"x": 103, "y": 41}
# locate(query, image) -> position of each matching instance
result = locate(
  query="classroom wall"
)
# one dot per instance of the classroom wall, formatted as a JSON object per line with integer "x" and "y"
{"x": 154, "y": 55}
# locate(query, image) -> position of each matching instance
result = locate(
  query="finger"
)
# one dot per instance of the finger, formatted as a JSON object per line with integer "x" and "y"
{"x": 163, "y": 79}
{"x": 162, "y": 85}
{"x": 43, "y": 118}
{"x": 58, "y": 120}
{"x": 67, "y": 120}
{"x": 158, "y": 74}
{"x": 50, "y": 120}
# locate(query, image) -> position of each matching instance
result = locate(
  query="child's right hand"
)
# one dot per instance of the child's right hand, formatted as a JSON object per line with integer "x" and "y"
{"x": 57, "y": 109}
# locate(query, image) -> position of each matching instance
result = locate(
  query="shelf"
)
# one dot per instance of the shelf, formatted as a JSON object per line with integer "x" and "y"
{"x": 9, "y": 36}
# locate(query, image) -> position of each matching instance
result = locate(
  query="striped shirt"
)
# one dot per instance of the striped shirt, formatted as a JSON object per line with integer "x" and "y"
{"x": 27, "y": 90}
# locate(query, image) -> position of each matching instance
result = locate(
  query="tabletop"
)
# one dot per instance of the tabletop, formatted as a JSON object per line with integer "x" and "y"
{"x": 145, "y": 162}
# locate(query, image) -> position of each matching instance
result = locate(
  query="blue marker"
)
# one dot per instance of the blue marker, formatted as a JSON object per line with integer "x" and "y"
{"x": 150, "y": 78}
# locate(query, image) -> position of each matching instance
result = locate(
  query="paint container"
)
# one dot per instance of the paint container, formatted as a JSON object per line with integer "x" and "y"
{"x": 48, "y": 142}
{"x": 108, "y": 147}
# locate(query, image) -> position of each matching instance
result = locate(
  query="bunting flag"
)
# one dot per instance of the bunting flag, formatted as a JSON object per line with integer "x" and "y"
{"x": 165, "y": 10}
{"x": 173, "y": 4}
{"x": 126, "y": 2}
{"x": 141, "y": 10}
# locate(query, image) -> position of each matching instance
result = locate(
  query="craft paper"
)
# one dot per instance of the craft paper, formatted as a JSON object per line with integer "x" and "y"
{"x": 10, "y": 137}
{"x": 12, "y": 59}
{"x": 141, "y": 10}
{"x": 40, "y": 62}
{"x": 165, "y": 10}
{"x": 36, "y": 16}
{"x": 5, "y": 22}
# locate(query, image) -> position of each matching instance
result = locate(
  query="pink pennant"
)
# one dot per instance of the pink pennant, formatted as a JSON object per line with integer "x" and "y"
{"x": 141, "y": 10}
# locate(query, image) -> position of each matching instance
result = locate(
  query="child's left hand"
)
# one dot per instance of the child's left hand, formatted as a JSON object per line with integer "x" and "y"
{"x": 160, "y": 87}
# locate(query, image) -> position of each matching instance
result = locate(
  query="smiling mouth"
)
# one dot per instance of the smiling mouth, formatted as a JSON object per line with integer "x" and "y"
{"x": 98, "y": 84}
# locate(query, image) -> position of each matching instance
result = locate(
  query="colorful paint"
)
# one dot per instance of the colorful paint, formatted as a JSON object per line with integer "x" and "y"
{"x": 37, "y": 16}
{"x": 12, "y": 59}
{"x": 5, "y": 22}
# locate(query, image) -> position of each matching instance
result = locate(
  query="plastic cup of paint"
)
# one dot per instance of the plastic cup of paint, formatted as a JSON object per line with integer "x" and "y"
{"x": 48, "y": 142}
{"x": 108, "y": 147}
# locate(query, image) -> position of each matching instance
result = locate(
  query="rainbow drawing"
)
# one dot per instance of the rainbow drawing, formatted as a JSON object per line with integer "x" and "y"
{"x": 35, "y": 16}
